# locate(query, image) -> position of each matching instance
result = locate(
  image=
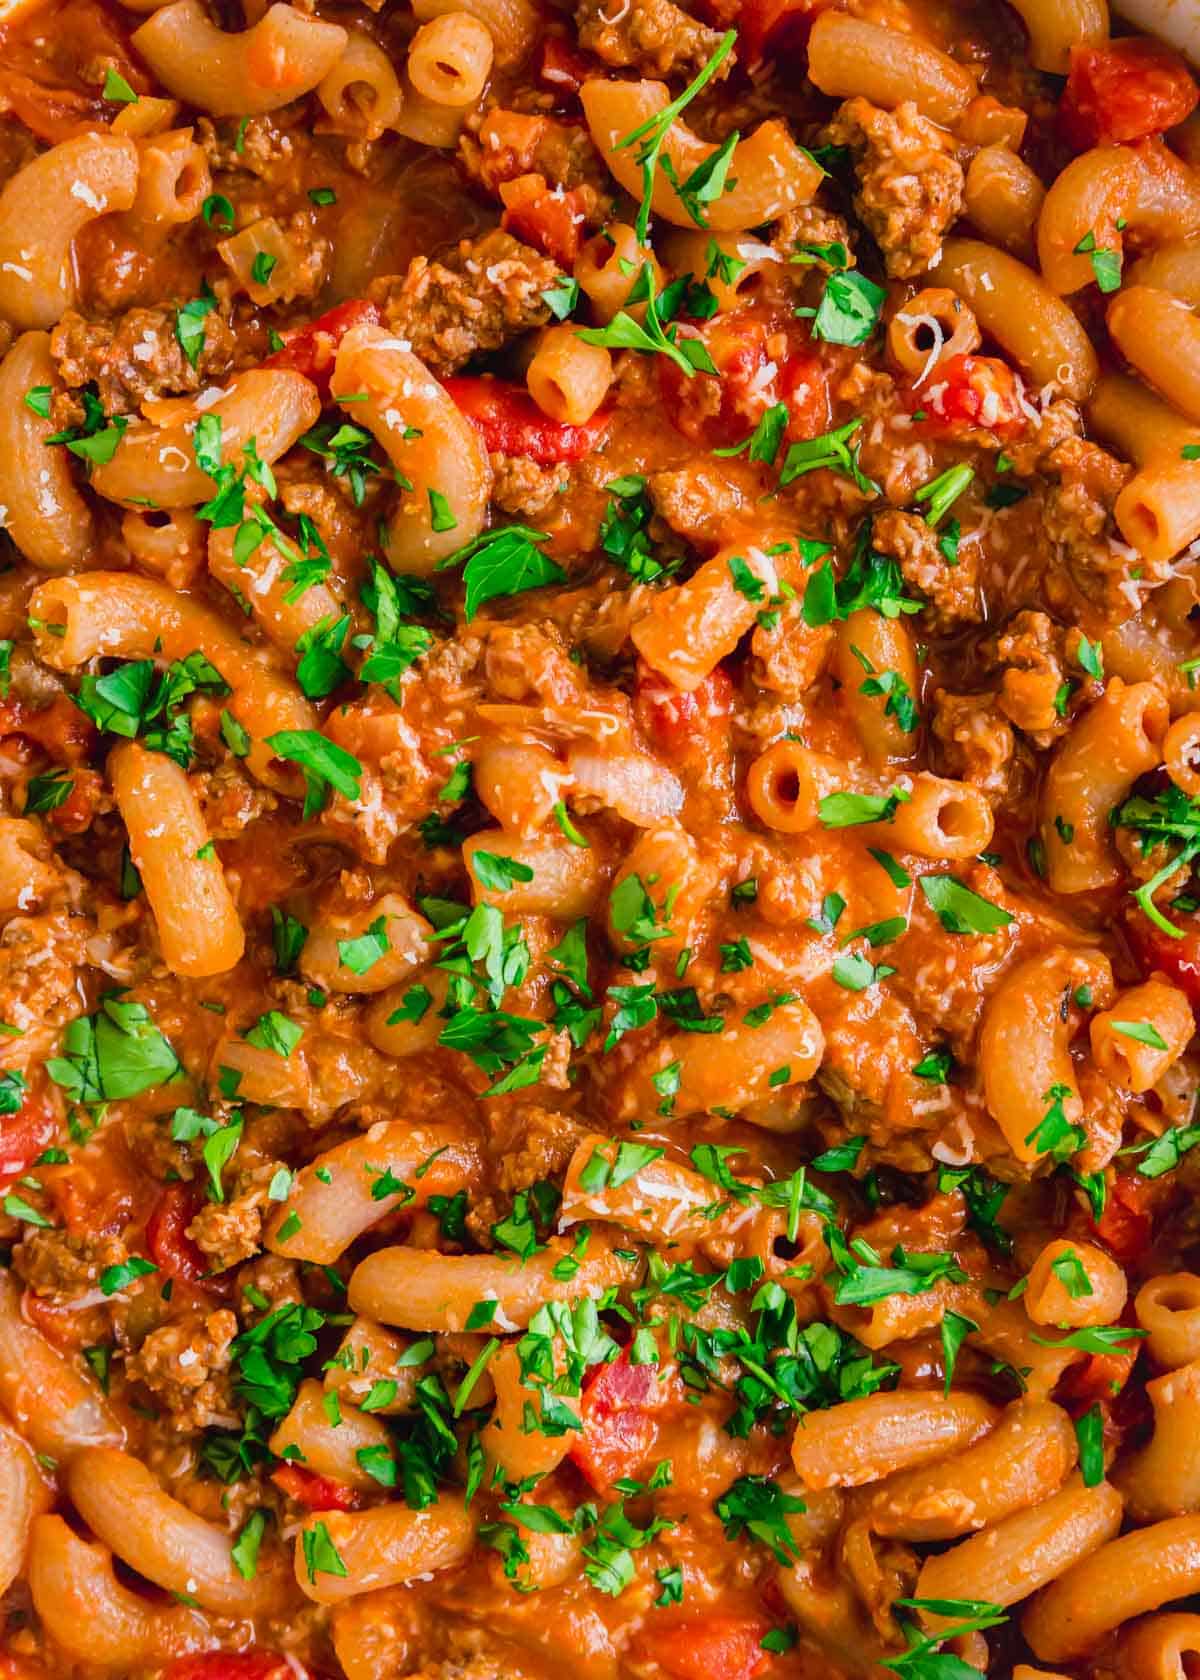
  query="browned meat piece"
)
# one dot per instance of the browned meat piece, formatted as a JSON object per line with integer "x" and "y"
{"x": 909, "y": 181}
{"x": 951, "y": 591}
{"x": 522, "y": 487}
{"x": 1078, "y": 506}
{"x": 811, "y": 224}
{"x": 269, "y": 1276}
{"x": 978, "y": 742}
{"x": 656, "y": 37}
{"x": 260, "y": 147}
{"x": 61, "y": 1267}
{"x": 514, "y": 143}
{"x": 487, "y": 292}
{"x": 229, "y": 1232}
{"x": 790, "y": 655}
{"x": 138, "y": 355}
{"x": 1032, "y": 649}
{"x": 699, "y": 502}
{"x": 185, "y": 1366}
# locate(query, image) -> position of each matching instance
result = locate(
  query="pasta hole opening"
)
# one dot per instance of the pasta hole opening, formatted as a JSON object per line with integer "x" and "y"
{"x": 190, "y": 181}
{"x": 956, "y": 819}
{"x": 1179, "y": 1300}
{"x": 785, "y": 786}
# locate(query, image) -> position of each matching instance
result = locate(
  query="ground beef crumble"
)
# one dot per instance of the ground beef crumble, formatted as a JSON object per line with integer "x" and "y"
{"x": 656, "y": 37}
{"x": 138, "y": 355}
{"x": 910, "y": 185}
{"x": 471, "y": 302}
{"x": 185, "y": 1365}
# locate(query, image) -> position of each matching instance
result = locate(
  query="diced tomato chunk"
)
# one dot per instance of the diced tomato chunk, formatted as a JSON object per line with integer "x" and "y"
{"x": 709, "y": 1647}
{"x": 26, "y": 1133}
{"x": 233, "y": 1665}
{"x": 511, "y": 423}
{"x": 971, "y": 391}
{"x": 1127, "y": 1223}
{"x": 758, "y": 368}
{"x": 60, "y": 729}
{"x": 311, "y": 350}
{"x": 319, "y": 1493}
{"x": 1124, "y": 91}
{"x": 674, "y": 720}
{"x": 1101, "y": 1376}
{"x": 548, "y": 218}
{"x": 169, "y": 1246}
{"x": 562, "y": 67}
{"x": 621, "y": 1409}
{"x": 1178, "y": 959}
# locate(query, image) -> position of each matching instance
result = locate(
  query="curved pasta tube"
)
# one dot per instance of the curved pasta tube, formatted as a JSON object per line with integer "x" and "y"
{"x": 1162, "y": 1479}
{"x": 122, "y": 1503}
{"x": 733, "y": 284}
{"x": 44, "y": 513}
{"x": 931, "y": 327}
{"x": 508, "y": 1441}
{"x": 1006, "y": 1331}
{"x": 1097, "y": 1292}
{"x": 450, "y": 59}
{"x": 848, "y": 56}
{"x": 284, "y": 55}
{"x": 362, "y": 93}
{"x": 638, "y": 788}
{"x": 118, "y": 615}
{"x": 1055, "y": 28}
{"x": 427, "y": 1291}
{"x": 323, "y": 1215}
{"x": 404, "y": 938}
{"x": 1128, "y": 1060}
{"x": 263, "y": 583}
{"x": 384, "y": 1547}
{"x": 1127, "y": 1577}
{"x": 512, "y": 24}
{"x": 1159, "y": 509}
{"x": 391, "y": 1026}
{"x": 663, "y": 1200}
{"x": 91, "y": 1616}
{"x": 739, "y": 1066}
{"x": 786, "y": 783}
{"x": 199, "y": 929}
{"x": 939, "y": 819}
{"x": 370, "y": 1354}
{"x": 1155, "y": 1649}
{"x": 24, "y": 1495}
{"x": 567, "y": 378}
{"x": 692, "y": 626}
{"x": 607, "y": 264}
{"x": 1023, "y": 1045}
{"x": 444, "y": 462}
{"x": 1159, "y": 337}
{"x": 568, "y": 881}
{"x": 867, "y": 647}
{"x": 1015, "y": 307}
{"x": 1174, "y": 267}
{"x": 1003, "y": 199}
{"x": 270, "y": 406}
{"x": 1022, "y": 1461}
{"x": 329, "y": 1446}
{"x": 43, "y": 207}
{"x": 1117, "y": 740}
{"x": 862, "y": 1441}
{"x": 1109, "y": 193}
{"x": 772, "y": 173}
{"x": 55, "y": 1405}
{"x": 1028, "y": 1550}
{"x": 1168, "y": 1308}
{"x": 173, "y": 180}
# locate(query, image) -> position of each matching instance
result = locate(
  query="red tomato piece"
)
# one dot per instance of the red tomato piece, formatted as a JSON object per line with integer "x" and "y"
{"x": 232, "y": 1665}
{"x": 60, "y": 729}
{"x": 753, "y": 377}
{"x": 711, "y": 1647}
{"x": 971, "y": 391}
{"x": 548, "y": 218}
{"x": 319, "y": 1493}
{"x": 1124, "y": 91}
{"x": 675, "y": 721}
{"x": 311, "y": 350}
{"x": 169, "y": 1246}
{"x": 1101, "y": 1376}
{"x": 511, "y": 423}
{"x": 774, "y": 28}
{"x": 621, "y": 1409}
{"x": 562, "y": 67}
{"x": 1127, "y": 1223}
{"x": 25, "y": 1134}
{"x": 1178, "y": 959}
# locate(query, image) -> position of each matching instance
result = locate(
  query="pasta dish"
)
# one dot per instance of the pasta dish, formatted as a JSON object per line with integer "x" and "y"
{"x": 599, "y": 839}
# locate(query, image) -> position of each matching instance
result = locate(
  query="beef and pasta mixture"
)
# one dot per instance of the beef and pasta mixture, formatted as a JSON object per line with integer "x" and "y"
{"x": 600, "y": 840}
